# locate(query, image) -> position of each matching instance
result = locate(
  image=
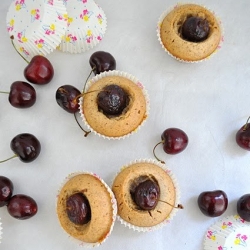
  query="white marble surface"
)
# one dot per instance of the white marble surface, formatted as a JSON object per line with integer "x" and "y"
{"x": 209, "y": 101}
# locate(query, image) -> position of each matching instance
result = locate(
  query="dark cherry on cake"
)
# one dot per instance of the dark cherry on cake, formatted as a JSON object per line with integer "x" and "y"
{"x": 78, "y": 209}
{"x": 146, "y": 194}
{"x": 112, "y": 100}
{"x": 195, "y": 29}
{"x": 6, "y": 190}
{"x": 101, "y": 61}
{"x": 22, "y": 207}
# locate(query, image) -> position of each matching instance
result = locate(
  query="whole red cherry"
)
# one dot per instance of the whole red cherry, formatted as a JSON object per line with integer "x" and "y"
{"x": 243, "y": 136}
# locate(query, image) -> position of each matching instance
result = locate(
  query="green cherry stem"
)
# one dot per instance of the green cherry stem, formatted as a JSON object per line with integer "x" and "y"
{"x": 12, "y": 38}
{"x": 86, "y": 132}
{"x": 4, "y": 92}
{"x": 14, "y": 156}
{"x": 245, "y": 127}
{"x": 155, "y": 154}
{"x": 179, "y": 206}
{"x": 88, "y": 79}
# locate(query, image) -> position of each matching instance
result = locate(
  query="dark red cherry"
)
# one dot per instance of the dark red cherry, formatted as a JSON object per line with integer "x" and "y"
{"x": 243, "y": 136}
{"x": 78, "y": 209}
{"x": 195, "y": 29}
{"x": 22, "y": 95}
{"x": 174, "y": 141}
{"x": 112, "y": 100}
{"x": 6, "y": 190}
{"x": 146, "y": 195}
{"x": 22, "y": 207}
{"x": 213, "y": 203}
{"x": 39, "y": 70}
{"x": 66, "y": 98}
{"x": 26, "y": 146}
{"x": 243, "y": 207}
{"x": 101, "y": 61}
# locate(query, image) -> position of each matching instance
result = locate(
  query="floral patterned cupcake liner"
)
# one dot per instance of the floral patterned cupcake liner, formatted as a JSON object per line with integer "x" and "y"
{"x": 159, "y": 23}
{"x": 114, "y": 208}
{"x": 122, "y": 74}
{"x": 177, "y": 200}
{"x": 37, "y": 26}
{"x": 231, "y": 232}
{"x": 86, "y": 26}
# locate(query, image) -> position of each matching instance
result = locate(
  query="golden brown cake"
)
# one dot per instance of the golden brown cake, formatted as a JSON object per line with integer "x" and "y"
{"x": 131, "y": 117}
{"x": 172, "y": 40}
{"x": 132, "y": 175}
{"x": 101, "y": 204}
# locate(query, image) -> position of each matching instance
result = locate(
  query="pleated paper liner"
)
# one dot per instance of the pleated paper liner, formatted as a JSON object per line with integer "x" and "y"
{"x": 177, "y": 198}
{"x": 37, "y": 26}
{"x": 114, "y": 208}
{"x": 158, "y": 30}
{"x": 119, "y": 74}
{"x": 87, "y": 25}
{"x": 230, "y": 232}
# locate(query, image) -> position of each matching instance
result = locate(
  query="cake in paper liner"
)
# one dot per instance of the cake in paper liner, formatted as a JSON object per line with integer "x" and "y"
{"x": 37, "y": 26}
{"x": 87, "y": 25}
{"x": 231, "y": 232}
{"x": 170, "y": 38}
{"x": 103, "y": 208}
{"x": 127, "y": 211}
{"x": 132, "y": 117}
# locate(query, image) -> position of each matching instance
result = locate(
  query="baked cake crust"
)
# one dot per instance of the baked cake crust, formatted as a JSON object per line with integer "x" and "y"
{"x": 133, "y": 115}
{"x": 127, "y": 209}
{"x": 96, "y": 230}
{"x": 183, "y": 49}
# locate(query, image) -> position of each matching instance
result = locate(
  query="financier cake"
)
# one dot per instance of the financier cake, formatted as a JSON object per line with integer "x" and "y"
{"x": 146, "y": 195}
{"x": 86, "y": 208}
{"x": 114, "y": 105}
{"x": 189, "y": 32}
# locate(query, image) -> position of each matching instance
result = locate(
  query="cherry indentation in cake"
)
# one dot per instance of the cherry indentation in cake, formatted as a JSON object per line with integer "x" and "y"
{"x": 195, "y": 29}
{"x": 78, "y": 209}
{"x": 112, "y": 100}
{"x": 146, "y": 194}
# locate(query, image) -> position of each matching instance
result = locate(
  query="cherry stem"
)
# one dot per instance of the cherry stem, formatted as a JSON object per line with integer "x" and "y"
{"x": 14, "y": 156}
{"x": 86, "y": 132}
{"x": 4, "y": 92}
{"x": 245, "y": 127}
{"x": 88, "y": 78}
{"x": 154, "y": 152}
{"x": 12, "y": 38}
{"x": 179, "y": 206}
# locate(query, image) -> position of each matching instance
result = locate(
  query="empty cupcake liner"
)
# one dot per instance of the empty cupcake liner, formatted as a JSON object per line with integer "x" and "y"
{"x": 230, "y": 232}
{"x": 86, "y": 26}
{"x": 37, "y": 26}
{"x": 114, "y": 73}
{"x": 159, "y": 23}
{"x": 113, "y": 202}
{"x": 177, "y": 201}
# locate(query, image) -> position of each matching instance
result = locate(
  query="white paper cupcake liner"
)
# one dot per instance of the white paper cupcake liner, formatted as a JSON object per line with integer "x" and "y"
{"x": 87, "y": 24}
{"x": 37, "y": 26}
{"x": 177, "y": 201}
{"x": 230, "y": 232}
{"x": 159, "y": 23}
{"x": 113, "y": 202}
{"x": 115, "y": 73}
